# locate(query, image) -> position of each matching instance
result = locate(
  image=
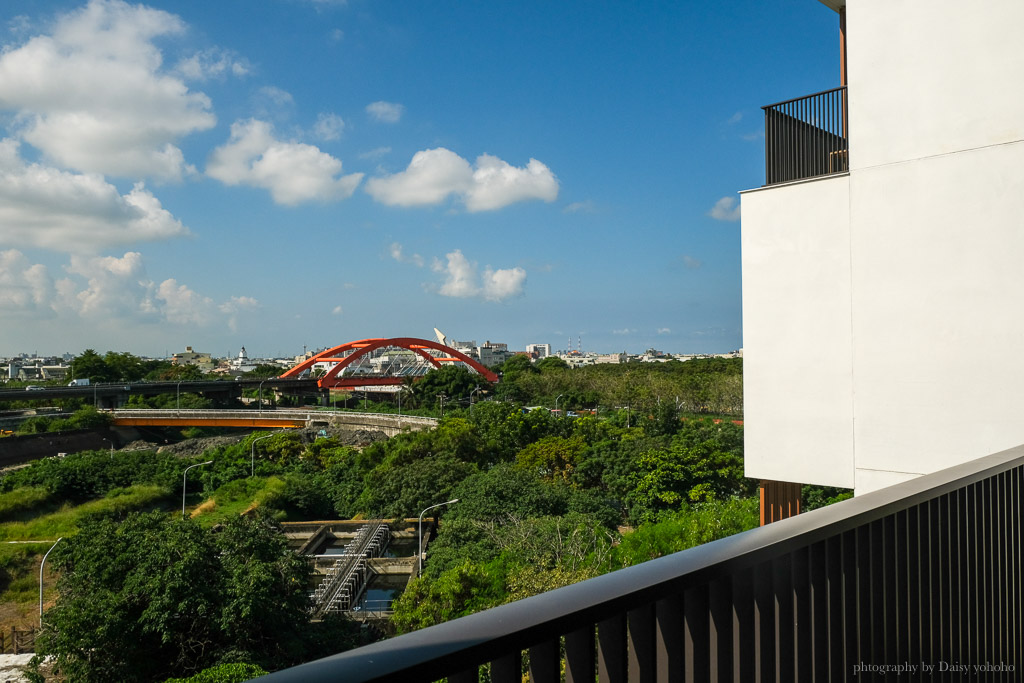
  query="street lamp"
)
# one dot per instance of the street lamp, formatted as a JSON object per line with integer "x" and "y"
{"x": 556, "y": 402}
{"x": 183, "y": 480}
{"x": 420, "y": 555}
{"x": 178, "y": 392}
{"x": 41, "y": 566}
{"x": 261, "y": 397}
{"x": 252, "y": 469}
{"x": 471, "y": 399}
{"x": 111, "y": 447}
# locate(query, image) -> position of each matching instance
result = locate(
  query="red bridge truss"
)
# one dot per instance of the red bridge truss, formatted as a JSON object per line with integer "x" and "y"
{"x": 366, "y": 362}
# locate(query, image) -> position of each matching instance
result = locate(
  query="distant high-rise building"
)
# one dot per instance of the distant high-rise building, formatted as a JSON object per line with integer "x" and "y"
{"x": 539, "y": 350}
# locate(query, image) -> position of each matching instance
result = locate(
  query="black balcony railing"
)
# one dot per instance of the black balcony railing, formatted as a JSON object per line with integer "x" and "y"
{"x": 806, "y": 137}
{"x": 926, "y": 573}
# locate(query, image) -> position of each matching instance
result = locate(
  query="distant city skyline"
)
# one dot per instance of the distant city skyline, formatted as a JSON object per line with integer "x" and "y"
{"x": 308, "y": 172}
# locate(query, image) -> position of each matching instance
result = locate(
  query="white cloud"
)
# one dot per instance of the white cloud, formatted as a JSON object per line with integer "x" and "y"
{"x": 623, "y": 331}
{"x": 496, "y": 184}
{"x": 212, "y": 63}
{"x": 435, "y": 174}
{"x": 387, "y": 112}
{"x": 45, "y": 207}
{"x": 431, "y": 176}
{"x": 108, "y": 289}
{"x": 337, "y": 310}
{"x": 725, "y": 209}
{"x": 463, "y": 280}
{"x": 184, "y": 306}
{"x": 91, "y": 96}
{"x": 329, "y": 127}
{"x": 664, "y": 330}
{"x": 396, "y": 253}
{"x": 24, "y": 286}
{"x": 293, "y": 172}
{"x": 503, "y": 283}
{"x": 691, "y": 263}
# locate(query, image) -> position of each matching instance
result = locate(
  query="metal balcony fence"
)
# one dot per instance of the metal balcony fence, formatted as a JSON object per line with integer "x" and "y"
{"x": 924, "y": 574}
{"x": 806, "y": 137}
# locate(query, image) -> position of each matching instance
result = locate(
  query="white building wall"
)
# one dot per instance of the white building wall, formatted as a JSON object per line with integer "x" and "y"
{"x": 797, "y": 379}
{"x": 934, "y": 262}
{"x": 933, "y": 77}
{"x": 938, "y": 288}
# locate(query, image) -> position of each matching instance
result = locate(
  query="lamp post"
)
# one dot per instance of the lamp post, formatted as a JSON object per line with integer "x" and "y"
{"x": 261, "y": 397}
{"x": 111, "y": 447}
{"x": 556, "y": 402}
{"x": 178, "y": 392}
{"x": 41, "y": 566}
{"x": 252, "y": 469}
{"x": 471, "y": 399}
{"x": 183, "y": 483}
{"x": 420, "y": 555}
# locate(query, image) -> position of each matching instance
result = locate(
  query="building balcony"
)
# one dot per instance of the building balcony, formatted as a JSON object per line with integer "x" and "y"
{"x": 806, "y": 137}
{"x": 924, "y": 574}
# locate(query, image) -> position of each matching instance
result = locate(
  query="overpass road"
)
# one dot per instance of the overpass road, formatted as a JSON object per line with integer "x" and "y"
{"x": 384, "y": 422}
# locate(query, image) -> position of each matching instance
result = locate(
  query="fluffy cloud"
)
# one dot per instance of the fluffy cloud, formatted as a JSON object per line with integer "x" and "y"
{"x": 691, "y": 262}
{"x": 430, "y": 178}
{"x": 435, "y": 174}
{"x": 623, "y": 331}
{"x": 725, "y": 209}
{"x": 462, "y": 279}
{"x": 664, "y": 330}
{"x": 108, "y": 288}
{"x": 503, "y": 284}
{"x": 497, "y": 184}
{"x": 293, "y": 172}
{"x": 387, "y": 112}
{"x": 24, "y": 286}
{"x": 115, "y": 287}
{"x": 45, "y": 207}
{"x": 91, "y": 96}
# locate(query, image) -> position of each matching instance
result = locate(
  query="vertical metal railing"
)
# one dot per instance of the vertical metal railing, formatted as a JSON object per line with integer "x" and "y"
{"x": 919, "y": 581}
{"x": 806, "y": 137}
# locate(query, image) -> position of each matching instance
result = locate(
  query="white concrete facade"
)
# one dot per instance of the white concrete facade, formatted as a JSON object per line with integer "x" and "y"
{"x": 881, "y": 316}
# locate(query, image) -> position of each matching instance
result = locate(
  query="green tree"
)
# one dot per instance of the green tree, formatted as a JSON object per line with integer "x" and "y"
{"x": 454, "y": 381}
{"x": 123, "y": 366}
{"x": 264, "y": 370}
{"x": 152, "y": 596}
{"x": 462, "y": 590}
{"x": 553, "y": 457}
{"x": 90, "y": 365}
{"x": 550, "y": 363}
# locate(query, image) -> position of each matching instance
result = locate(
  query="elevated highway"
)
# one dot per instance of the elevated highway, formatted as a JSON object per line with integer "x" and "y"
{"x": 382, "y": 422}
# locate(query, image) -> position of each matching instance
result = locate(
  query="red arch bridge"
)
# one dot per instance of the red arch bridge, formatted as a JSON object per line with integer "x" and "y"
{"x": 381, "y": 363}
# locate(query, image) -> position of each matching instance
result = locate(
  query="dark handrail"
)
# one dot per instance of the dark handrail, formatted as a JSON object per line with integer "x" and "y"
{"x": 846, "y": 553}
{"x": 806, "y": 137}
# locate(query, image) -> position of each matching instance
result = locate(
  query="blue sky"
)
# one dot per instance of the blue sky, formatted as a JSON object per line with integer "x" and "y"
{"x": 294, "y": 173}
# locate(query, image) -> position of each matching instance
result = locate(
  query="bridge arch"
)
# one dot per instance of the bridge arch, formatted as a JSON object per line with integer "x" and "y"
{"x": 344, "y": 355}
